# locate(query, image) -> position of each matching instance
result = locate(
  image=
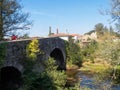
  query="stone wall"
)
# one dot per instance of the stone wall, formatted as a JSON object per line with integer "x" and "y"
{"x": 16, "y": 52}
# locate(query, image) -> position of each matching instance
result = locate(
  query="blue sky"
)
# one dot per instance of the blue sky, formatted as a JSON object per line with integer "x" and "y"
{"x": 72, "y": 16}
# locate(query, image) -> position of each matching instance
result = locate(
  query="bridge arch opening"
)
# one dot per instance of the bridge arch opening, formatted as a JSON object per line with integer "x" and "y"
{"x": 58, "y": 56}
{"x": 10, "y": 78}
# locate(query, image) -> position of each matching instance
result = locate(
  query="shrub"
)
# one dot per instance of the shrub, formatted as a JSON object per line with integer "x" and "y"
{"x": 50, "y": 79}
{"x": 89, "y": 50}
{"x": 116, "y": 74}
{"x": 73, "y": 53}
{"x": 32, "y": 49}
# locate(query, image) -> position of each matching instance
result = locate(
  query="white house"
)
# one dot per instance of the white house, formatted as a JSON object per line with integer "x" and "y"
{"x": 65, "y": 36}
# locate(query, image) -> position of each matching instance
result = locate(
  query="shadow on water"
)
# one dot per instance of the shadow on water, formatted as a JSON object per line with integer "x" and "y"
{"x": 71, "y": 76}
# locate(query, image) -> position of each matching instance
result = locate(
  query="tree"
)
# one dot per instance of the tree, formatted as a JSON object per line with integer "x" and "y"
{"x": 115, "y": 13}
{"x": 111, "y": 30}
{"x": 99, "y": 28}
{"x": 110, "y": 51}
{"x": 32, "y": 49}
{"x": 89, "y": 50}
{"x": 73, "y": 53}
{"x": 105, "y": 29}
{"x": 90, "y": 32}
{"x": 115, "y": 10}
{"x": 12, "y": 18}
{"x": 25, "y": 36}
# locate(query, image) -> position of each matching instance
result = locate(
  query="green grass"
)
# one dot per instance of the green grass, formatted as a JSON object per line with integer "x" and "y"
{"x": 94, "y": 68}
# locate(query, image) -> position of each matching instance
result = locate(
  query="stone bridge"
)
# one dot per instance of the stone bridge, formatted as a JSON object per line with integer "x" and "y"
{"x": 16, "y": 51}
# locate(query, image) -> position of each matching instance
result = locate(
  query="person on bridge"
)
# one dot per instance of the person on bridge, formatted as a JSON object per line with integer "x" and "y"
{"x": 14, "y": 37}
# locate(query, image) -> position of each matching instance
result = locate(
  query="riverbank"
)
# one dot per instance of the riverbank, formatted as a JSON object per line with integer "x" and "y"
{"x": 88, "y": 68}
{"x": 91, "y": 76}
{"x": 94, "y": 76}
{"x": 94, "y": 68}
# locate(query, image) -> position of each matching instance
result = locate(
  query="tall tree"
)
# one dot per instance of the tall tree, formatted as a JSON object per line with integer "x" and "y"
{"x": 12, "y": 18}
{"x": 111, "y": 30}
{"x": 115, "y": 13}
{"x": 99, "y": 29}
{"x": 115, "y": 9}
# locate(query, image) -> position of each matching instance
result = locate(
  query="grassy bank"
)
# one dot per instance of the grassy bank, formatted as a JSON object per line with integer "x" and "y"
{"x": 94, "y": 68}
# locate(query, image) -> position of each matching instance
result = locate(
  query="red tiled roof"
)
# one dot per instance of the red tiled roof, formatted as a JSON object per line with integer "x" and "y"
{"x": 74, "y": 34}
{"x": 63, "y": 35}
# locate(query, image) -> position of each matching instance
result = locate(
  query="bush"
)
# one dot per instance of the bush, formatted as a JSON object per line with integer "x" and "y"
{"x": 50, "y": 79}
{"x": 89, "y": 50}
{"x": 116, "y": 74}
{"x": 73, "y": 53}
{"x": 32, "y": 49}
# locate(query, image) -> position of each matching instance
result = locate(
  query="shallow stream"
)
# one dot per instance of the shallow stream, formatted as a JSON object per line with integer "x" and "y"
{"x": 89, "y": 82}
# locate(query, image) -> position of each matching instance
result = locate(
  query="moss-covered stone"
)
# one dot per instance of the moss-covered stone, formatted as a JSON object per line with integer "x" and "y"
{"x": 2, "y": 52}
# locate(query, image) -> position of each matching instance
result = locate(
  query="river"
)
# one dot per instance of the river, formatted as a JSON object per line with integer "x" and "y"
{"x": 90, "y": 83}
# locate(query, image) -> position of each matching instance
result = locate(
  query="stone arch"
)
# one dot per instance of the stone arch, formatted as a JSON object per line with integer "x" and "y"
{"x": 59, "y": 57}
{"x": 10, "y": 78}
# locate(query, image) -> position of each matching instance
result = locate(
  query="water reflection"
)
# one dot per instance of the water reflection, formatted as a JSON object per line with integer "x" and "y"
{"x": 90, "y": 83}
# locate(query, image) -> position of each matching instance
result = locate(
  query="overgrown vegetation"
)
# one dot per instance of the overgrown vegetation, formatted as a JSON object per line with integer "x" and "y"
{"x": 50, "y": 79}
{"x": 73, "y": 53}
{"x": 110, "y": 52}
{"x": 105, "y": 51}
{"x": 89, "y": 50}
